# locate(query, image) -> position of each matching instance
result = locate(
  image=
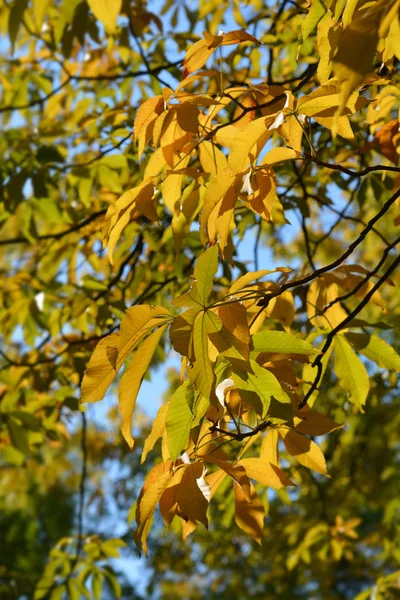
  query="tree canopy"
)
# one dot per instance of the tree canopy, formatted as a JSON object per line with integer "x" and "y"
{"x": 214, "y": 183}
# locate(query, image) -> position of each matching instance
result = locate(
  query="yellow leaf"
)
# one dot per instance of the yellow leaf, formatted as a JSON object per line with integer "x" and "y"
{"x": 180, "y": 332}
{"x": 221, "y": 223}
{"x": 235, "y": 471}
{"x": 214, "y": 480}
{"x": 107, "y": 12}
{"x": 146, "y": 116}
{"x": 309, "y": 373}
{"x": 227, "y": 344}
{"x": 218, "y": 187}
{"x": 342, "y": 125}
{"x": 156, "y": 432}
{"x": 149, "y": 497}
{"x": 249, "y": 516}
{"x": 265, "y": 473}
{"x": 245, "y": 280}
{"x": 324, "y": 101}
{"x": 319, "y": 295}
{"x": 205, "y": 269}
{"x": 188, "y": 117}
{"x": 99, "y": 373}
{"x": 171, "y": 189}
{"x": 188, "y": 80}
{"x": 232, "y": 37}
{"x": 304, "y": 450}
{"x": 349, "y": 11}
{"x": 191, "y": 500}
{"x": 132, "y": 380}
{"x": 137, "y": 323}
{"x": 118, "y": 216}
{"x": 327, "y": 39}
{"x": 40, "y": 8}
{"x": 251, "y": 139}
{"x": 315, "y": 14}
{"x": 212, "y": 159}
{"x": 351, "y": 372}
{"x": 269, "y": 448}
{"x": 197, "y": 56}
{"x": 282, "y": 309}
{"x": 356, "y": 50}
{"x": 277, "y": 155}
{"x": 310, "y": 422}
{"x": 168, "y": 503}
{"x": 234, "y": 318}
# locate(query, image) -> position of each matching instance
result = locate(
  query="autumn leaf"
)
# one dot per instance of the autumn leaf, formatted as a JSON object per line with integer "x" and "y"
{"x": 352, "y": 374}
{"x": 304, "y": 450}
{"x": 107, "y": 12}
{"x": 204, "y": 271}
{"x": 155, "y": 484}
{"x": 249, "y": 516}
{"x": 132, "y": 380}
{"x": 265, "y": 473}
{"x": 156, "y": 432}
{"x": 190, "y": 498}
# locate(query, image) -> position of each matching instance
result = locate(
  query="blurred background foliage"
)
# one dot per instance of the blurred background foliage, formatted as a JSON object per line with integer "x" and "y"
{"x": 70, "y": 85}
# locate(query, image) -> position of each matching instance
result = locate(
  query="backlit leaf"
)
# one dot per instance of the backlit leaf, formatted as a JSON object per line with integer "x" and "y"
{"x": 249, "y": 516}
{"x": 155, "y": 484}
{"x": 376, "y": 349}
{"x": 281, "y": 342}
{"x": 204, "y": 271}
{"x": 265, "y": 473}
{"x": 107, "y": 12}
{"x": 352, "y": 374}
{"x": 190, "y": 498}
{"x": 179, "y": 421}
{"x": 304, "y": 450}
{"x": 156, "y": 432}
{"x": 132, "y": 380}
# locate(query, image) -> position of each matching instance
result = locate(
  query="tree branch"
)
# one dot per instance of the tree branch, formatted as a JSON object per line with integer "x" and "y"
{"x": 317, "y": 363}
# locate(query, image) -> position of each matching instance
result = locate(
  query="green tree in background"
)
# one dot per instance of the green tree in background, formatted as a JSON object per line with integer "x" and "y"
{"x": 145, "y": 148}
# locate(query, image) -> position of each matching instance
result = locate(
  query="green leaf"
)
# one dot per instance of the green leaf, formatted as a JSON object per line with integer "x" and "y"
{"x": 97, "y": 584}
{"x": 352, "y": 374}
{"x": 179, "y": 420}
{"x": 202, "y": 373}
{"x": 204, "y": 272}
{"x": 15, "y": 19}
{"x": 315, "y": 14}
{"x": 376, "y": 349}
{"x": 282, "y": 343}
{"x": 262, "y": 384}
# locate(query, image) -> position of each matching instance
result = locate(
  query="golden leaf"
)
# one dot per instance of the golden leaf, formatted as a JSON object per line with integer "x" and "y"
{"x": 107, "y": 12}
{"x": 304, "y": 450}
{"x": 265, "y": 473}
{"x": 157, "y": 429}
{"x": 132, "y": 380}
{"x": 249, "y": 516}
{"x": 191, "y": 500}
{"x": 155, "y": 484}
